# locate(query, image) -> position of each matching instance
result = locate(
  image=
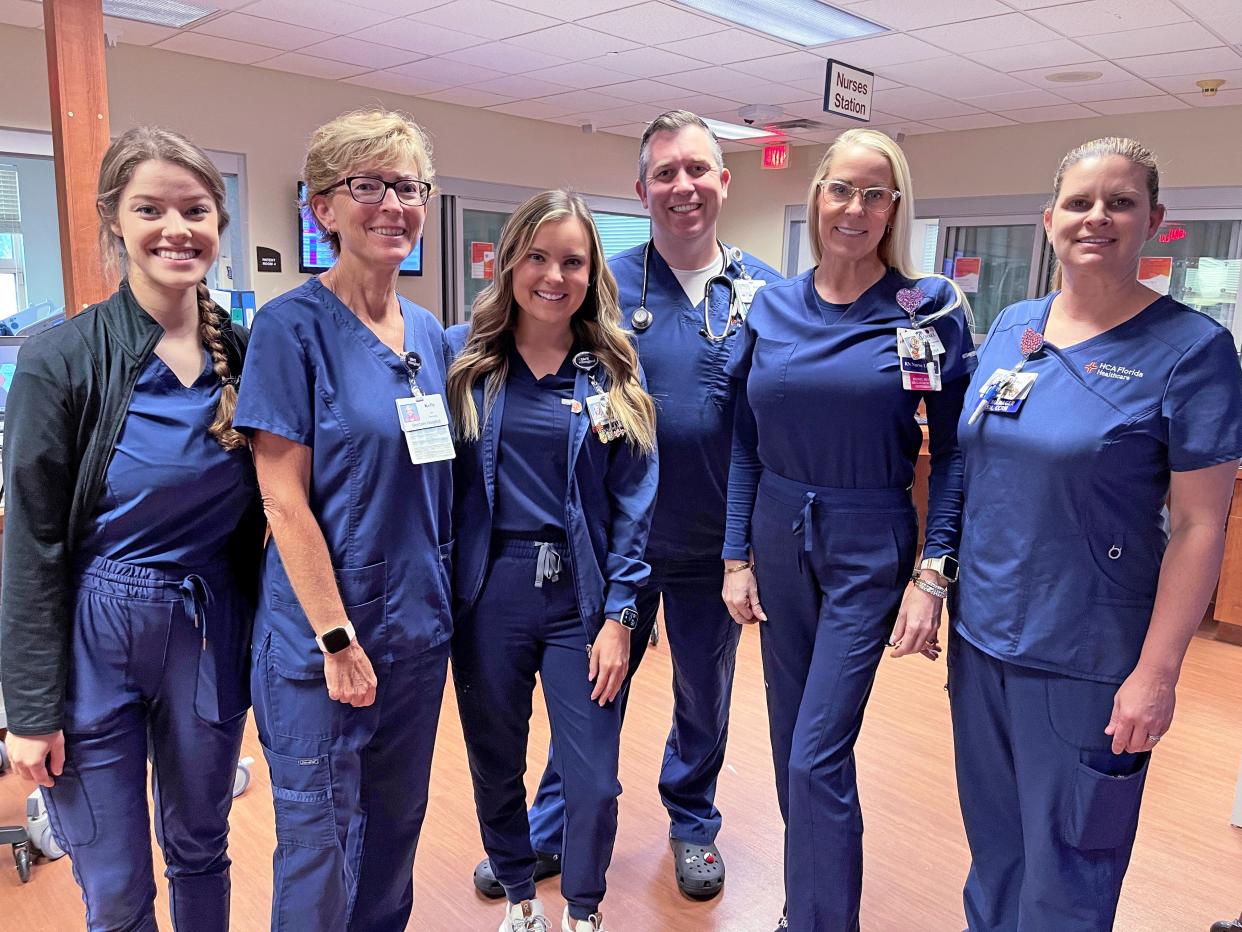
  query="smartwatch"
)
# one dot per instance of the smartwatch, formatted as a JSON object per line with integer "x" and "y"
{"x": 335, "y": 640}
{"x": 945, "y": 566}
{"x": 629, "y": 618}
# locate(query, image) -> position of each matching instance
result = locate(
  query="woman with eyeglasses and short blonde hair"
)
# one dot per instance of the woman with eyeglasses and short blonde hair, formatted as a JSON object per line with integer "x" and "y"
{"x": 344, "y": 407}
{"x": 821, "y": 535}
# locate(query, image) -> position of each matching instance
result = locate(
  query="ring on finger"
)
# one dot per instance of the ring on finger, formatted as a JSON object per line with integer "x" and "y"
{"x": 1154, "y": 739}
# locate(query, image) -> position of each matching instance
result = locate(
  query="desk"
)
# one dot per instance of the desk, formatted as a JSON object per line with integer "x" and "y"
{"x": 1228, "y": 610}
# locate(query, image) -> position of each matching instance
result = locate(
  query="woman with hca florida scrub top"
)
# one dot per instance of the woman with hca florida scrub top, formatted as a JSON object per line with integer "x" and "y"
{"x": 831, "y": 367}
{"x": 132, "y": 536}
{"x": 352, "y": 446}
{"x": 1075, "y": 608}
{"x": 556, "y": 481}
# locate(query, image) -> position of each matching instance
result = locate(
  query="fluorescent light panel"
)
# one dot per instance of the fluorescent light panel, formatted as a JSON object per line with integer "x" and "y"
{"x": 737, "y": 131}
{"x": 805, "y": 22}
{"x": 158, "y": 12}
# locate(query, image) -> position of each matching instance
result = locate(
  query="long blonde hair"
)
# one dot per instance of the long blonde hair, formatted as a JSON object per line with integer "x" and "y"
{"x": 596, "y": 327}
{"x": 153, "y": 143}
{"x": 894, "y": 247}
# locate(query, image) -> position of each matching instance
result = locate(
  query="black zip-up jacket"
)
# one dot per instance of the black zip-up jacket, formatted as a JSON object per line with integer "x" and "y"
{"x": 66, "y": 405}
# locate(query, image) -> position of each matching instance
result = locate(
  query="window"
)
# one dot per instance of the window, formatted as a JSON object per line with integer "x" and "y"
{"x": 619, "y": 232}
{"x": 31, "y": 287}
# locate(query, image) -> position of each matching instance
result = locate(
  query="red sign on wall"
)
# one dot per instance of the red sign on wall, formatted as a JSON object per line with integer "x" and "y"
{"x": 776, "y": 156}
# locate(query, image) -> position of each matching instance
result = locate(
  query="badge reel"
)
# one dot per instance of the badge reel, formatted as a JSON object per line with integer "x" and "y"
{"x": 605, "y": 426}
{"x": 918, "y": 348}
{"x": 1006, "y": 389}
{"x": 423, "y": 420}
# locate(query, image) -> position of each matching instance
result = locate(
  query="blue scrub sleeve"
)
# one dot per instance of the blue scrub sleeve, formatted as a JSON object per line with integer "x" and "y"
{"x": 633, "y": 478}
{"x": 1202, "y": 406}
{"x": 948, "y": 470}
{"x": 35, "y": 612}
{"x": 744, "y": 472}
{"x": 277, "y": 390}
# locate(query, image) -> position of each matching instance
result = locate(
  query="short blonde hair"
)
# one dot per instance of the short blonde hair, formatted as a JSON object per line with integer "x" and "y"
{"x": 372, "y": 138}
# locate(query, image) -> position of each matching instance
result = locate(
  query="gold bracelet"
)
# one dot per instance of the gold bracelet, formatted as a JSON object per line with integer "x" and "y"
{"x": 738, "y": 569}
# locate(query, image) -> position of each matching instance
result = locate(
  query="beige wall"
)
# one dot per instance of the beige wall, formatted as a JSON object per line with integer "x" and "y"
{"x": 267, "y": 116}
{"x": 1197, "y": 148}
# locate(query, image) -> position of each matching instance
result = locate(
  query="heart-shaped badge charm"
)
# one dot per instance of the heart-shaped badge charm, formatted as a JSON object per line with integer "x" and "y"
{"x": 1032, "y": 341}
{"x": 910, "y": 299}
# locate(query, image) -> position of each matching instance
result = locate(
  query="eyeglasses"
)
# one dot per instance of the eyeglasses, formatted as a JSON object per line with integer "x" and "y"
{"x": 878, "y": 200}
{"x": 367, "y": 189}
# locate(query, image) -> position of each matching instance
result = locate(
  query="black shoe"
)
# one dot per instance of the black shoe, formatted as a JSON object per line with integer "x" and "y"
{"x": 1228, "y": 925}
{"x": 546, "y": 865}
{"x": 700, "y": 869}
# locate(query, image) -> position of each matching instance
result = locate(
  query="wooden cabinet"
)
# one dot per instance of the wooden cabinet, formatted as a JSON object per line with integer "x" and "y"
{"x": 1228, "y": 610}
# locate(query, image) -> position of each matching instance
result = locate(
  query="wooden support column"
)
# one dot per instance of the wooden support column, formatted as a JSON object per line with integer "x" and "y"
{"x": 78, "y": 87}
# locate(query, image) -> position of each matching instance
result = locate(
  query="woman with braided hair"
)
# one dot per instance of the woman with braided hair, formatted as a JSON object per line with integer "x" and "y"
{"x": 132, "y": 532}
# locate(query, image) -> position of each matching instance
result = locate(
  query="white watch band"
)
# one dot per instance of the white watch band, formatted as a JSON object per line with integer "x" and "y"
{"x": 349, "y": 630}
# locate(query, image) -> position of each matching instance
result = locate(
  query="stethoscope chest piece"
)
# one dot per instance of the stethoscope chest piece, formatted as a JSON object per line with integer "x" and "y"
{"x": 641, "y": 319}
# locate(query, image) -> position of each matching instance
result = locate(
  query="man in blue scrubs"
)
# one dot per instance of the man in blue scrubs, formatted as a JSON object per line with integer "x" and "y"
{"x": 683, "y": 346}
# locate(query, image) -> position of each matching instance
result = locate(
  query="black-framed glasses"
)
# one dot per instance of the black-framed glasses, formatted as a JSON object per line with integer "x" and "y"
{"x": 367, "y": 189}
{"x": 878, "y": 200}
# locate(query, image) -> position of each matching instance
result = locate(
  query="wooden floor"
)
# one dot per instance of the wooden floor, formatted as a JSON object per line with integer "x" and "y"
{"x": 1186, "y": 872}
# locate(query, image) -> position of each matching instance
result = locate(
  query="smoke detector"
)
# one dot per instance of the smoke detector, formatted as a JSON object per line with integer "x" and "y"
{"x": 1209, "y": 86}
{"x": 762, "y": 114}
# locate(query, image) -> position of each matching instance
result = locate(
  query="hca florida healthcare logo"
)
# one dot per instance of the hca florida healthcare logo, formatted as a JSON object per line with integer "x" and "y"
{"x": 1108, "y": 371}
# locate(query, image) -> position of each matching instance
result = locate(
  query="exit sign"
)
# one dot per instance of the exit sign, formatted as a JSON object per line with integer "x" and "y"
{"x": 776, "y": 157}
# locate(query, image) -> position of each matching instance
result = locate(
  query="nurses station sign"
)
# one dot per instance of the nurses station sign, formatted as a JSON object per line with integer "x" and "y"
{"x": 847, "y": 91}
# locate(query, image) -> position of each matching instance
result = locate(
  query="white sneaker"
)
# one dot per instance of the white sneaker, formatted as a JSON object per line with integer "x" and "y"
{"x": 526, "y": 916}
{"x": 594, "y": 924}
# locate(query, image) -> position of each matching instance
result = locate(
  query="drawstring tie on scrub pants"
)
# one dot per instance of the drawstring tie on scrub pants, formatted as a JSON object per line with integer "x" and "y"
{"x": 195, "y": 596}
{"x": 547, "y": 565}
{"x": 804, "y": 527}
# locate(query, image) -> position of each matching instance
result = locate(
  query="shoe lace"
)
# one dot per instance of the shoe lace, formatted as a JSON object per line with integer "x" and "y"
{"x": 530, "y": 924}
{"x": 783, "y": 923}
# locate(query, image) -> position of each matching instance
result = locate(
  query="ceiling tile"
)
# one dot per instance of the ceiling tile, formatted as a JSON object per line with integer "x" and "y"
{"x": 1051, "y": 54}
{"x": 877, "y": 51}
{"x": 397, "y": 83}
{"x": 1139, "y": 105}
{"x": 577, "y": 9}
{"x": 467, "y": 97}
{"x": 616, "y": 116}
{"x": 579, "y": 74}
{"x": 1230, "y": 27}
{"x": 915, "y": 103}
{"x": 954, "y": 77}
{"x": 485, "y": 18}
{"x": 640, "y": 91}
{"x": 1026, "y": 4}
{"x": 645, "y": 20}
{"x": 1015, "y": 100}
{"x": 786, "y": 67}
{"x": 1099, "y": 17}
{"x": 1175, "y": 37}
{"x": 332, "y": 16}
{"x": 578, "y": 41}
{"x": 728, "y": 46}
{"x": 503, "y": 56}
{"x": 261, "y": 31}
{"x": 578, "y": 101}
{"x": 417, "y": 37}
{"x": 1108, "y": 72}
{"x": 357, "y": 52}
{"x": 630, "y": 130}
{"x": 520, "y": 87}
{"x": 981, "y": 35}
{"x": 698, "y": 103}
{"x": 532, "y": 109}
{"x": 1107, "y": 90}
{"x": 1224, "y": 98}
{"x": 1210, "y": 9}
{"x": 129, "y": 31}
{"x": 193, "y": 43}
{"x": 1185, "y": 83}
{"x": 902, "y": 14}
{"x": 21, "y": 13}
{"x": 1203, "y": 61}
{"x": 447, "y": 73}
{"x": 396, "y": 7}
{"x": 971, "y": 121}
{"x": 1047, "y": 114}
{"x": 718, "y": 80}
{"x": 299, "y": 63}
{"x": 646, "y": 63}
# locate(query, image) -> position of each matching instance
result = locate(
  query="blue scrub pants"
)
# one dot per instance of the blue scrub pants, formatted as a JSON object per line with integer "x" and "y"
{"x": 515, "y": 631}
{"x": 350, "y": 792}
{"x": 1050, "y": 811}
{"x": 702, "y": 641}
{"x": 132, "y": 690}
{"x": 831, "y": 565}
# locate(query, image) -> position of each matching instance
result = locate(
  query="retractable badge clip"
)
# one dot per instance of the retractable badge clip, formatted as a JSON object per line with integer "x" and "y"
{"x": 413, "y": 363}
{"x": 1032, "y": 342}
{"x": 605, "y": 426}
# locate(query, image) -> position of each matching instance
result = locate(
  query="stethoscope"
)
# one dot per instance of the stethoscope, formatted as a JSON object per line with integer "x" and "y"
{"x": 641, "y": 319}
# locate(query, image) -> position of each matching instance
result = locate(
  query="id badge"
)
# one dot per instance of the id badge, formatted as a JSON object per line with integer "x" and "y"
{"x": 919, "y": 359}
{"x": 746, "y": 288}
{"x": 605, "y": 426}
{"x": 1011, "y": 390}
{"x": 424, "y": 423}
{"x": 920, "y": 375}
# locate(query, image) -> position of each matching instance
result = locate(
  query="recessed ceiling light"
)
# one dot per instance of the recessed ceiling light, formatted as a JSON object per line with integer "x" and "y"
{"x": 805, "y": 22}
{"x": 158, "y": 12}
{"x": 1073, "y": 77}
{"x": 737, "y": 131}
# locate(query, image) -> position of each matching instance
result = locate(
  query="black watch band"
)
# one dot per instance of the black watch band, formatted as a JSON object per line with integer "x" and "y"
{"x": 628, "y": 618}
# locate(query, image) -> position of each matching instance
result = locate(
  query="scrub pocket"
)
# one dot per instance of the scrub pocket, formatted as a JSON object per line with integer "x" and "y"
{"x": 1104, "y": 805}
{"x": 363, "y": 589}
{"x": 769, "y": 366}
{"x": 69, "y": 809}
{"x": 302, "y": 793}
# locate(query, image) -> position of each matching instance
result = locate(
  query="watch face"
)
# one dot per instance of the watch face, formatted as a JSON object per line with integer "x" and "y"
{"x": 629, "y": 618}
{"x": 335, "y": 641}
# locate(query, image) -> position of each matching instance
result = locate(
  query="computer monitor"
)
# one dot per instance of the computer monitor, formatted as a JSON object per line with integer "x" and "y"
{"x": 8, "y": 363}
{"x": 315, "y": 256}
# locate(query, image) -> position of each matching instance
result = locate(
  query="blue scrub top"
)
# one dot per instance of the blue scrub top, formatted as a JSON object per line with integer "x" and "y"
{"x": 532, "y": 461}
{"x": 172, "y": 496}
{"x": 1064, "y": 531}
{"x": 822, "y": 401}
{"x": 316, "y": 375}
{"x": 693, "y": 397}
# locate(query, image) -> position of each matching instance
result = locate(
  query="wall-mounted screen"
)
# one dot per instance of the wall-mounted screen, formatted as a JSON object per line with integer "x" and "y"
{"x": 316, "y": 256}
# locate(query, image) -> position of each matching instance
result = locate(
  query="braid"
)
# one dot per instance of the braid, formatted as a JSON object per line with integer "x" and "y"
{"x": 209, "y": 333}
